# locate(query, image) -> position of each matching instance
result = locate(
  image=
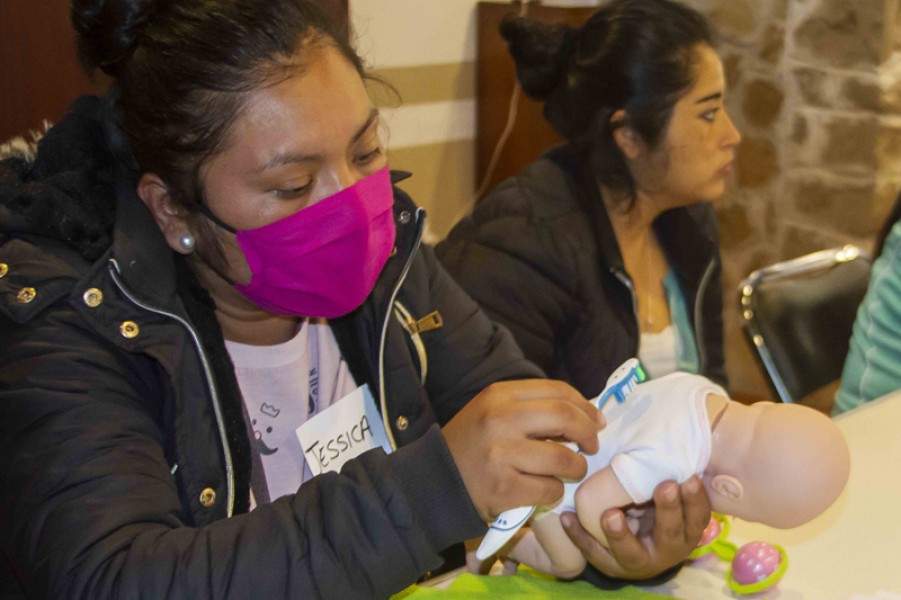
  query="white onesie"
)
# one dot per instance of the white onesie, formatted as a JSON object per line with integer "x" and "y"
{"x": 661, "y": 432}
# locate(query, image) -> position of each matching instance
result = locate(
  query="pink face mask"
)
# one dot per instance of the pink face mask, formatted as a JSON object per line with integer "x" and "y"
{"x": 323, "y": 260}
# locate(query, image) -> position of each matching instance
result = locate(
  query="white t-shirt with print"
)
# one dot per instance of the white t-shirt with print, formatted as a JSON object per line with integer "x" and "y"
{"x": 283, "y": 386}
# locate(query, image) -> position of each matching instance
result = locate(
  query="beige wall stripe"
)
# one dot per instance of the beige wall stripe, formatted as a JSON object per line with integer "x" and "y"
{"x": 442, "y": 182}
{"x": 429, "y": 83}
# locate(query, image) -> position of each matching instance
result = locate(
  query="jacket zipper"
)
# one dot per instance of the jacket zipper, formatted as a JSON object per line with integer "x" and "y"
{"x": 217, "y": 409}
{"x": 383, "y": 401}
{"x": 414, "y": 328}
{"x": 627, "y": 281}
{"x": 699, "y": 327}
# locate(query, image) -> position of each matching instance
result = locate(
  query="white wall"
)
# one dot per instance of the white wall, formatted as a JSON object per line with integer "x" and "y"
{"x": 427, "y": 49}
{"x": 393, "y": 34}
{"x": 401, "y": 33}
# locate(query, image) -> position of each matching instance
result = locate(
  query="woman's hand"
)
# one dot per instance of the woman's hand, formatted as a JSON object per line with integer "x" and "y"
{"x": 500, "y": 443}
{"x": 681, "y": 514}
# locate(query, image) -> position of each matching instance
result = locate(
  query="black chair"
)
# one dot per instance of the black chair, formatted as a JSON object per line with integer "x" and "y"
{"x": 797, "y": 316}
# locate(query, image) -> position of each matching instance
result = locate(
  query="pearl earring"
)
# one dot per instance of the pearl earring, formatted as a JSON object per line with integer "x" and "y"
{"x": 187, "y": 242}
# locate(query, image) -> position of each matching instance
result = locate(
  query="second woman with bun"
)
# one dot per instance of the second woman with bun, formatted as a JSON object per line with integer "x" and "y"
{"x": 607, "y": 246}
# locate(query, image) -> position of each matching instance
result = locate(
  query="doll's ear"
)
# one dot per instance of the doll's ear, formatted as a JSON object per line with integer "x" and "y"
{"x": 728, "y": 486}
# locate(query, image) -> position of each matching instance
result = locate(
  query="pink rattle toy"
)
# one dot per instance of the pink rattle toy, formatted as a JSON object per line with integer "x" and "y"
{"x": 755, "y": 567}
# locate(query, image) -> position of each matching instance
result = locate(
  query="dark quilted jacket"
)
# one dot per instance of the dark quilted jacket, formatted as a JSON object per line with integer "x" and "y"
{"x": 540, "y": 256}
{"x": 126, "y": 462}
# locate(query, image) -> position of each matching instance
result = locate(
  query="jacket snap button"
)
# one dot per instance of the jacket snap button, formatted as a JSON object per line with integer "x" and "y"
{"x": 93, "y": 297}
{"x": 129, "y": 329}
{"x": 26, "y": 295}
{"x": 404, "y": 217}
{"x": 208, "y": 497}
{"x": 4, "y": 269}
{"x": 402, "y": 423}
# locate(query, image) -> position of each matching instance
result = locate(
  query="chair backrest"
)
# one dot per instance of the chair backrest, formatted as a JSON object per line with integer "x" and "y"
{"x": 798, "y": 315}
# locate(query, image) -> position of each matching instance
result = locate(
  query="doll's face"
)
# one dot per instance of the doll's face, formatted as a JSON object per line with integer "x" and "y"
{"x": 791, "y": 466}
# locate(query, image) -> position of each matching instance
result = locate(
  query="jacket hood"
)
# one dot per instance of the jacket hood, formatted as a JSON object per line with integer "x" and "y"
{"x": 61, "y": 185}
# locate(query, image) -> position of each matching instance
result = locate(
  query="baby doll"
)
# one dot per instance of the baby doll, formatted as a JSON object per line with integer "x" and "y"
{"x": 778, "y": 464}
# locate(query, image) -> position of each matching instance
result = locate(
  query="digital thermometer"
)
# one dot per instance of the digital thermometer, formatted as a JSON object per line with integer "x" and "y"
{"x": 619, "y": 385}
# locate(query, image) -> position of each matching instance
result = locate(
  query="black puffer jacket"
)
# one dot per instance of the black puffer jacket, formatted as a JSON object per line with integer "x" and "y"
{"x": 121, "y": 427}
{"x": 540, "y": 256}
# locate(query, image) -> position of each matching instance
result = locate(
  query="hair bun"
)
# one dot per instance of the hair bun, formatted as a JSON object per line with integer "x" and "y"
{"x": 108, "y": 30}
{"x": 541, "y": 52}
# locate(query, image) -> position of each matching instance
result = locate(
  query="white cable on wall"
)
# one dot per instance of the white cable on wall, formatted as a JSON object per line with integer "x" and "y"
{"x": 512, "y": 111}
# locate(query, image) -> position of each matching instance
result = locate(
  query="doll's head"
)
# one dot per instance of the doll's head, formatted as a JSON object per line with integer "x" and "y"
{"x": 778, "y": 464}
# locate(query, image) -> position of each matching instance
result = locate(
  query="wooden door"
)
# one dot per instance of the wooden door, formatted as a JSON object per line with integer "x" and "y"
{"x": 39, "y": 74}
{"x": 495, "y": 79}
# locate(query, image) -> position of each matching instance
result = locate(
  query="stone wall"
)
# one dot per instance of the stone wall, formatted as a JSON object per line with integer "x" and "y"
{"x": 815, "y": 87}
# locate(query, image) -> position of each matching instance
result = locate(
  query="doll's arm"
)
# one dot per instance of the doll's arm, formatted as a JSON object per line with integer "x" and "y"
{"x": 600, "y": 491}
{"x": 544, "y": 546}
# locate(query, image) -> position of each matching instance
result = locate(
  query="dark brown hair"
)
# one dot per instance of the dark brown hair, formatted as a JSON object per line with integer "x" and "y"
{"x": 182, "y": 70}
{"x": 632, "y": 55}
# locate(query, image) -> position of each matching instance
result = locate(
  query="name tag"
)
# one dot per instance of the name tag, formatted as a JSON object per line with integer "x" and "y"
{"x": 343, "y": 431}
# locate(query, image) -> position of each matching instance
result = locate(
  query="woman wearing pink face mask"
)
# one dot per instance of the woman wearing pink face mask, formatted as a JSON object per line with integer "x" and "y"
{"x": 229, "y": 367}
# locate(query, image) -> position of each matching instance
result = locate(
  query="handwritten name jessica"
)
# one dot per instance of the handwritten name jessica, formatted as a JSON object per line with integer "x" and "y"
{"x": 329, "y": 450}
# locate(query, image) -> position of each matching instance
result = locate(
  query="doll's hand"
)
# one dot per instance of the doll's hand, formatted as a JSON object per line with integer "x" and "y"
{"x": 473, "y": 563}
{"x": 681, "y": 513}
{"x": 509, "y": 566}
